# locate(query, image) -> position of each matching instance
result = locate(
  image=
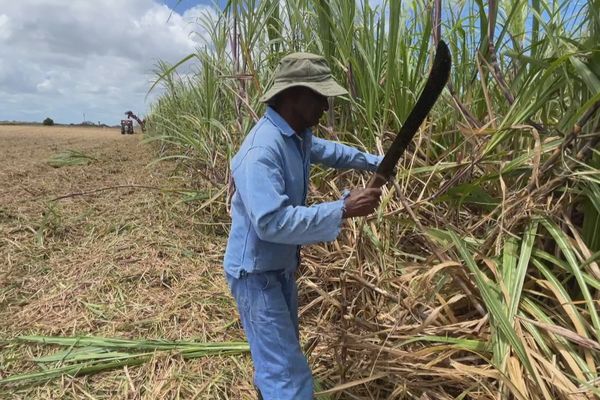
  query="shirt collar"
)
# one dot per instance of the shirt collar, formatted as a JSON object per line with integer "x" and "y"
{"x": 280, "y": 123}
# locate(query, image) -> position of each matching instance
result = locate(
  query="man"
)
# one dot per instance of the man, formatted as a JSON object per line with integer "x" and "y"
{"x": 270, "y": 219}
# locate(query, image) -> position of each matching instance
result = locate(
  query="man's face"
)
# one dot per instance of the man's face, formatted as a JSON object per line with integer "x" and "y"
{"x": 309, "y": 105}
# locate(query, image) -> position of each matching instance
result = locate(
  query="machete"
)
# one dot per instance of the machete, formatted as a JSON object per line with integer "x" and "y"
{"x": 438, "y": 76}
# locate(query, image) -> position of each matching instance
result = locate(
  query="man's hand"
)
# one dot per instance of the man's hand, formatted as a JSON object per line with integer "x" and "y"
{"x": 361, "y": 202}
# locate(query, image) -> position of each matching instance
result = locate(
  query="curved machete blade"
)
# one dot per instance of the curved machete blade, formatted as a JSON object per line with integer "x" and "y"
{"x": 440, "y": 72}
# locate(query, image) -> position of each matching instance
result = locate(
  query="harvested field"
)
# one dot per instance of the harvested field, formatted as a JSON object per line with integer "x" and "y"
{"x": 119, "y": 255}
{"x": 109, "y": 244}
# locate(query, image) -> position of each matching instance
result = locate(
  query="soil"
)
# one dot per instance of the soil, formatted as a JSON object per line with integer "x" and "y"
{"x": 114, "y": 247}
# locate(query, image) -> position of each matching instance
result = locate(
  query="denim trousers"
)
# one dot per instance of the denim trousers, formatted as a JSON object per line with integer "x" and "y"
{"x": 268, "y": 306}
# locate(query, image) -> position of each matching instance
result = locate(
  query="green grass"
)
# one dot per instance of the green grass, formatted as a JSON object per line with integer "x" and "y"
{"x": 70, "y": 157}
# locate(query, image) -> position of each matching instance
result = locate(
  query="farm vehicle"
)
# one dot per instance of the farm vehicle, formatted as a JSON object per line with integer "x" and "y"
{"x": 127, "y": 124}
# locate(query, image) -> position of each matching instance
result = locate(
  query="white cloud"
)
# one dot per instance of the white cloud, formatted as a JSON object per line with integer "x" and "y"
{"x": 5, "y": 30}
{"x": 63, "y": 58}
{"x": 47, "y": 86}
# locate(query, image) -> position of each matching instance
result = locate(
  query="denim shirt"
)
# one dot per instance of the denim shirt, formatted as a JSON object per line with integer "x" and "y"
{"x": 270, "y": 219}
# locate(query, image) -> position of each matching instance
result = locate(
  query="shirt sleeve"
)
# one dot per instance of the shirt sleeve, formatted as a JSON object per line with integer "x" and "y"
{"x": 260, "y": 183}
{"x": 337, "y": 155}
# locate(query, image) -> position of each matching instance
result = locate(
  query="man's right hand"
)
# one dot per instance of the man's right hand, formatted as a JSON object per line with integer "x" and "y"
{"x": 361, "y": 202}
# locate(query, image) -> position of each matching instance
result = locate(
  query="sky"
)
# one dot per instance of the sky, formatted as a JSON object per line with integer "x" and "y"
{"x": 76, "y": 60}
{"x": 92, "y": 60}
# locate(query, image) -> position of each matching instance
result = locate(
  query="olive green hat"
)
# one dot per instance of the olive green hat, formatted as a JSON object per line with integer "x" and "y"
{"x": 304, "y": 69}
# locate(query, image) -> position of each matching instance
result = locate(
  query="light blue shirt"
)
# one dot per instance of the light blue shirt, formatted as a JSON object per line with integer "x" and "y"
{"x": 270, "y": 219}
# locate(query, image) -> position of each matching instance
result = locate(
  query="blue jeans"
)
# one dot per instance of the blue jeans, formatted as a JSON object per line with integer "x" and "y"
{"x": 268, "y": 307}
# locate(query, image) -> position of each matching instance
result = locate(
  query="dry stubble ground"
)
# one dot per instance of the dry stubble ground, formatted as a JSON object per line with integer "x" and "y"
{"x": 122, "y": 262}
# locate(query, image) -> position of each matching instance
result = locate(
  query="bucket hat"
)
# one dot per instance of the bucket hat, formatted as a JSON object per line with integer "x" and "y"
{"x": 304, "y": 69}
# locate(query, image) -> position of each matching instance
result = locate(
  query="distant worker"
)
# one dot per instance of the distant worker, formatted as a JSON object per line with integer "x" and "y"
{"x": 270, "y": 218}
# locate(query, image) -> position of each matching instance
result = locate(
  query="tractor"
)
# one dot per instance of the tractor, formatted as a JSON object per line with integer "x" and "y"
{"x": 126, "y": 126}
{"x": 141, "y": 122}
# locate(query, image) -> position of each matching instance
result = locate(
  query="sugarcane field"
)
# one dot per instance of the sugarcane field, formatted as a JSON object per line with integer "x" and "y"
{"x": 303, "y": 199}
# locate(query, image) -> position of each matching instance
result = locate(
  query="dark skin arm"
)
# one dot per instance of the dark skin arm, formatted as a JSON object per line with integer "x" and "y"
{"x": 361, "y": 202}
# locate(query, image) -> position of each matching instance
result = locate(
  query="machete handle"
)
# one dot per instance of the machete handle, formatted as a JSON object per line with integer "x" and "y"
{"x": 376, "y": 181}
